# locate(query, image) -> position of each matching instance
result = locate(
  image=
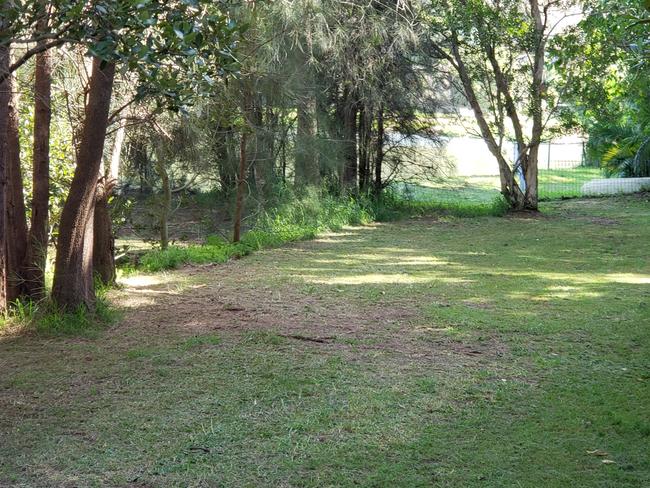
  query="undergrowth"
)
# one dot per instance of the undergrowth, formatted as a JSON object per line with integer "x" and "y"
{"x": 46, "y": 318}
{"x": 303, "y": 217}
{"x": 300, "y": 219}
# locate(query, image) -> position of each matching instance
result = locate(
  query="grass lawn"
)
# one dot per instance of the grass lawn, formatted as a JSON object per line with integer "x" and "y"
{"x": 483, "y": 352}
{"x": 553, "y": 184}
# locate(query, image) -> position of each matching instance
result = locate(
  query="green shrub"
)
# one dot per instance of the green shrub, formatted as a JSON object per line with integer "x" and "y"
{"x": 304, "y": 216}
{"x": 295, "y": 218}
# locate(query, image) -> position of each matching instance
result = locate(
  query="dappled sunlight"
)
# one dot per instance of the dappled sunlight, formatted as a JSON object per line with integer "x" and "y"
{"x": 141, "y": 281}
{"x": 424, "y": 260}
{"x": 579, "y": 277}
{"x": 628, "y": 278}
{"x": 333, "y": 239}
{"x": 566, "y": 293}
{"x": 385, "y": 278}
{"x": 136, "y": 301}
{"x": 142, "y": 289}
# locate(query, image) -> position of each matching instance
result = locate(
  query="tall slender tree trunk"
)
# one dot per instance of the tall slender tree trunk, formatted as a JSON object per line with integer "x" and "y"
{"x": 365, "y": 141}
{"x": 262, "y": 162}
{"x": 16, "y": 217}
{"x": 73, "y": 272}
{"x": 379, "y": 152}
{"x": 5, "y": 101}
{"x": 36, "y": 258}
{"x": 350, "y": 172}
{"x": 104, "y": 239}
{"x": 227, "y": 149}
{"x": 530, "y": 173}
{"x": 307, "y": 169}
{"x": 531, "y": 169}
{"x": 165, "y": 203}
{"x": 241, "y": 183}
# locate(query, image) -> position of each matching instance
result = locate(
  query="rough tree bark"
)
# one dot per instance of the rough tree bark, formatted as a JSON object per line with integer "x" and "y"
{"x": 35, "y": 261}
{"x": 5, "y": 101}
{"x": 16, "y": 217}
{"x": 104, "y": 239}
{"x": 73, "y": 272}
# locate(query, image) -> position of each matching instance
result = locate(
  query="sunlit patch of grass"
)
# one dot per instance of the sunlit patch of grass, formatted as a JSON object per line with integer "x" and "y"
{"x": 482, "y": 190}
{"x": 565, "y": 183}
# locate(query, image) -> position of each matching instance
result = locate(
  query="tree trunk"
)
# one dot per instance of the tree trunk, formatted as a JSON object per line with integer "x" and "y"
{"x": 73, "y": 272}
{"x": 36, "y": 258}
{"x": 16, "y": 217}
{"x": 379, "y": 152}
{"x": 530, "y": 171}
{"x": 307, "y": 171}
{"x": 365, "y": 138}
{"x": 104, "y": 239}
{"x": 227, "y": 149}
{"x": 350, "y": 108}
{"x": 5, "y": 101}
{"x": 241, "y": 182}
{"x": 262, "y": 164}
{"x": 165, "y": 203}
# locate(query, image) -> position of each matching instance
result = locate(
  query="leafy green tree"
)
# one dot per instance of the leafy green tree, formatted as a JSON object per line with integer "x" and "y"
{"x": 603, "y": 63}
{"x": 498, "y": 49}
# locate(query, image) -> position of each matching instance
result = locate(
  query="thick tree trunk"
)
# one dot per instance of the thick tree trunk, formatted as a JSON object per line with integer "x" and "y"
{"x": 379, "y": 152}
{"x": 104, "y": 239}
{"x": 73, "y": 272}
{"x": 5, "y": 101}
{"x": 530, "y": 173}
{"x": 16, "y": 217}
{"x": 307, "y": 170}
{"x": 36, "y": 258}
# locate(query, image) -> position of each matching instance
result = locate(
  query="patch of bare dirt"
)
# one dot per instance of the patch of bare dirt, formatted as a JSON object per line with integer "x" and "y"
{"x": 527, "y": 215}
{"x": 603, "y": 221}
{"x": 232, "y": 299}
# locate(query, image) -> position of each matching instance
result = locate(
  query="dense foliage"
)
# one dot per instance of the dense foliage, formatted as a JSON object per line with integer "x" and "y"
{"x": 604, "y": 65}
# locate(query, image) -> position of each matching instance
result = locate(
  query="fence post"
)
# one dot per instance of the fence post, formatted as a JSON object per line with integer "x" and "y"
{"x": 548, "y": 158}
